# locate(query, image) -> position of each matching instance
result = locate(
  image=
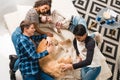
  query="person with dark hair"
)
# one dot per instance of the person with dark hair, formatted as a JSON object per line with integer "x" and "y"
{"x": 29, "y": 58}
{"x": 57, "y": 21}
{"x": 40, "y": 7}
{"x": 88, "y": 52}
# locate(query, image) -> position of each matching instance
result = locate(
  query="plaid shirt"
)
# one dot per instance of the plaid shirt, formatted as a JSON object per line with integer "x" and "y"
{"x": 27, "y": 54}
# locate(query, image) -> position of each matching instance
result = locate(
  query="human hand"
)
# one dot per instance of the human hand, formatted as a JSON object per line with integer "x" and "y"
{"x": 49, "y": 19}
{"x": 58, "y": 25}
{"x": 66, "y": 67}
{"x": 50, "y": 47}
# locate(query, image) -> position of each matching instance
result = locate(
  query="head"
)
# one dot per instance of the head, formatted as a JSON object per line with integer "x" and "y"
{"x": 28, "y": 28}
{"x": 80, "y": 32}
{"x": 45, "y": 18}
{"x": 42, "y": 6}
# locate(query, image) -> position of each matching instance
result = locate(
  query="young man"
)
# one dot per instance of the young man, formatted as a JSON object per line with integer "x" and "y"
{"x": 28, "y": 57}
{"x": 88, "y": 51}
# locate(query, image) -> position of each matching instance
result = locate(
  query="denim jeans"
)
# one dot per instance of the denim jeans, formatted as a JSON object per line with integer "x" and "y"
{"x": 14, "y": 37}
{"x": 90, "y": 73}
{"x": 75, "y": 20}
{"x": 38, "y": 76}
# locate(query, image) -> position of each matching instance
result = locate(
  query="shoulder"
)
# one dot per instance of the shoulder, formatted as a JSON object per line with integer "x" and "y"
{"x": 31, "y": 11}
{"x": 23, "y": 38}
{"x": 17, "y": 32}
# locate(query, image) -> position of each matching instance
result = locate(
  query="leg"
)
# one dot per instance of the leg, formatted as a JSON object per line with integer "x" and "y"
{"x": 44, "y": 76}
{"x": 90, "y": 73}
{"x": 13, "y": 59}
{"x": 84, "y": 71}
{"x": 31, "y": 77}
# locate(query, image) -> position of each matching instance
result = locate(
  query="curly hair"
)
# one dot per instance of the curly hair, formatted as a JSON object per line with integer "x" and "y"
{"x": 41, "y": 3}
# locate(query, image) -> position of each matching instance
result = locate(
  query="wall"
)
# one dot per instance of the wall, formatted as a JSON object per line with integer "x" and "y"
{"x": 110, "y": 46}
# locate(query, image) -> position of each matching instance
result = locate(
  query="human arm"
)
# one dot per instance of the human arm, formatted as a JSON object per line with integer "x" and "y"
{"x": 60, "y": 20}
{"x": 80, "y": 64}
{"x": 27, "y": 48}
{"x": 43, "y": 32}
{"x": 15, "y": 35}
{"x": 89, "y": 55}
{"x": 38, "y": 37}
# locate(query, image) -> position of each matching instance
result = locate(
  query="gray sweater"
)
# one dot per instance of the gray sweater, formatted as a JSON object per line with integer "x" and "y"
{"x": 32, "y": 16}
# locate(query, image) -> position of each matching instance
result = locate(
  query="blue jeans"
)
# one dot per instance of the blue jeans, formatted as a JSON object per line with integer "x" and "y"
{"x": 38, "y": 76}
{"x": 75, "y": 20}
{"x": 14, "y": 37}
{"x": 90, "y": 73}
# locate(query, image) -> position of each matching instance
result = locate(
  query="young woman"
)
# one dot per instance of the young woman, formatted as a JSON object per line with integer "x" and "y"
{"x": 88, "y": 51}
{"x": 40, "y": 7}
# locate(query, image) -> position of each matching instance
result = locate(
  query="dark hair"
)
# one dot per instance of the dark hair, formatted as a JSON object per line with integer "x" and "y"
{"x": 50, "y": 3}
{"x": 41, "y": 3}
{"x": 79, "y": 30}
{"x": 26, "y": 24}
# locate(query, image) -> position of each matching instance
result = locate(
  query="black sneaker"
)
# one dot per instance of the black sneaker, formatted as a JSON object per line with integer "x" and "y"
{"x": 12, "y": 58}
{"x": 12, "y": 75}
